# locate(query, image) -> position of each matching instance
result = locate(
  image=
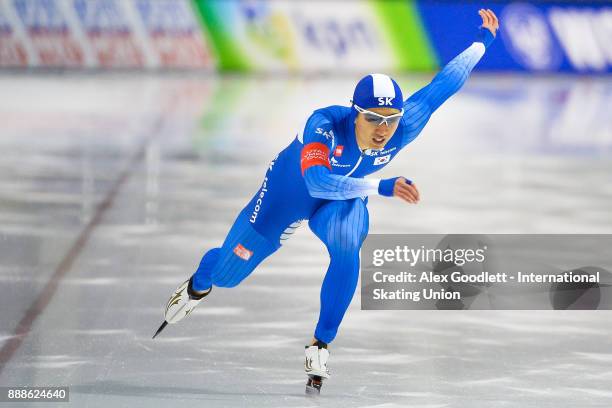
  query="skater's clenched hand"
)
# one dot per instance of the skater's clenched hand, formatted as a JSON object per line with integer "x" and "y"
{"x": 406, "y": 190}
{"x": 489, "y": 20}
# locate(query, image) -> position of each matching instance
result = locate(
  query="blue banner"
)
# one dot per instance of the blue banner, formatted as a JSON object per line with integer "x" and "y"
{"x": 572, "y": 37}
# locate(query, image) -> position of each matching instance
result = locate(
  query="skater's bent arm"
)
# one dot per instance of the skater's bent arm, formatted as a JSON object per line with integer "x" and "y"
{"x": 334, "y": 187}
{"x": 420, "y": 106}
{"x": 321, "y": 183}
{"x": 318, "y": 139}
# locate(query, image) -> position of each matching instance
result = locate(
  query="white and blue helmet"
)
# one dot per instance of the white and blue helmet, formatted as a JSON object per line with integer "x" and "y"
{"x": 378, "y": 91}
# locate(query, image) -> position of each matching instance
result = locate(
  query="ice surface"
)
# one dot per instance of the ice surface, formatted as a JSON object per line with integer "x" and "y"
{"x": 506, "y": 155}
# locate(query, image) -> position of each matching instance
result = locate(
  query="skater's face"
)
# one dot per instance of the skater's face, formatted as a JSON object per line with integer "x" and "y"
{"x": 371, "y": 134}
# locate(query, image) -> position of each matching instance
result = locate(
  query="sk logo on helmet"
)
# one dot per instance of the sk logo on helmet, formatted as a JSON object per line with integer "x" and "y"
{"x": 385, "y": 101}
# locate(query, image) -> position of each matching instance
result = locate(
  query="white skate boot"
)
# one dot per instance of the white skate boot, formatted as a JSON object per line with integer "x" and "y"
{"x": 315, "y": 366}
{"x": 181, "y": 304}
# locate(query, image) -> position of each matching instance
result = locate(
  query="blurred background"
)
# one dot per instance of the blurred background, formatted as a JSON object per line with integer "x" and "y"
{"x": 133, "y": 131}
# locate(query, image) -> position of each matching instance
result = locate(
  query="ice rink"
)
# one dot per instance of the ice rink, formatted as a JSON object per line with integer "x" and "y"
{"x": 112, "y": 186}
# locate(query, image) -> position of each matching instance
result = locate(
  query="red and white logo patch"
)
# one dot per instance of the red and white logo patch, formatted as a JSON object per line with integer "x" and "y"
{"x": 242, "y": 252}
{"x": 314, "y": 154}
{"x": 338, "y": 151}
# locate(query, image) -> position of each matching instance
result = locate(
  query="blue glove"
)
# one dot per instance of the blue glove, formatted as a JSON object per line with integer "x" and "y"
{"x": 484, "y": 36}
{"x": 385, "y": 187}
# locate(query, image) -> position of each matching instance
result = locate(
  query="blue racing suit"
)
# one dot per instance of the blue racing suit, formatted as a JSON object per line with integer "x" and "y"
{"x": 331, "y": 195}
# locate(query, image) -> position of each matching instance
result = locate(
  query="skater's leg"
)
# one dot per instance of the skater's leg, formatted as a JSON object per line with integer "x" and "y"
{"x": 342, "y": 226}
{"x": 244, "y": 248}
{"x": 269, "y": 218}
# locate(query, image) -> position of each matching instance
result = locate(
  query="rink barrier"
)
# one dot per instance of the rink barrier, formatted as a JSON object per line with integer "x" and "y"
{"x": 541, "y": 37}
{"x": 301, "y": 36}
{"x": 139, "y": 34}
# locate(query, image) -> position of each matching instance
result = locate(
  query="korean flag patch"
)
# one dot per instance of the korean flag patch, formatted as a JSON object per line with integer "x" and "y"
{"x": 382, "y": 160}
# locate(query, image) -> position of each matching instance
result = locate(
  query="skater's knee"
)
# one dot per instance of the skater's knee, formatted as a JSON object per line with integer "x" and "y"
{"x": 348, "y": 265}
{"x": 346, "y": 244}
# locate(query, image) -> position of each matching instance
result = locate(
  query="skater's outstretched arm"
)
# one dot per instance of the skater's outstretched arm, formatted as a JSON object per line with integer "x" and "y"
{"x": 421, "y": 105}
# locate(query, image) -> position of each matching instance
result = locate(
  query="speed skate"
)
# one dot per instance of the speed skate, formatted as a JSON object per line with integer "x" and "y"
{"x": 315, "y": 366}
{"x": 181, "y": 304}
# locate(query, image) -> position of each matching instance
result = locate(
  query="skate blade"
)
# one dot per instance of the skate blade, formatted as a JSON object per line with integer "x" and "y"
{"x": 313, "y": 386}
{"x": 312, "y": 391}
{"x": 162, "y": 327}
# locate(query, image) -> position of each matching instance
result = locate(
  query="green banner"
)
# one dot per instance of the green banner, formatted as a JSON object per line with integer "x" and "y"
{"x": 402, "y": 26}
{"x": 298, "y": 36}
